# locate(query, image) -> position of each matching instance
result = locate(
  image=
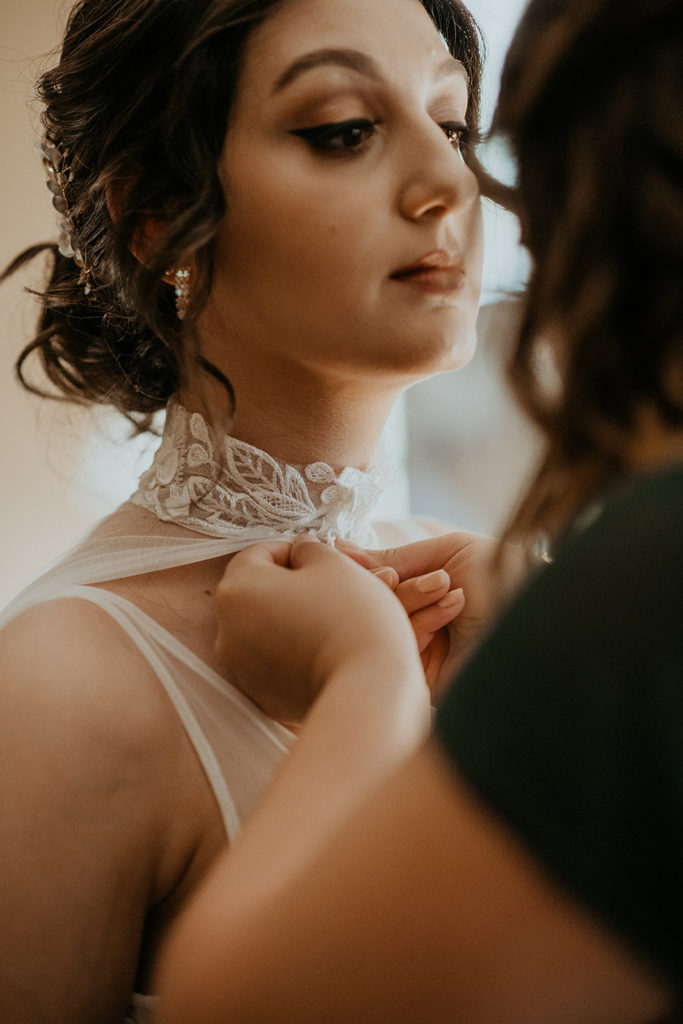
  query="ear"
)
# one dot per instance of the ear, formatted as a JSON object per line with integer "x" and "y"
{"x": 146, "y": 232}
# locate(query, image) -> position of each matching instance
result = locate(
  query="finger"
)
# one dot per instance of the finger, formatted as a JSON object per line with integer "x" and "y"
{"x": 307, "y": 550}
{"x": 424, "y": 590}
{"x": 269, "y": 553}
{"x": 252, "y": 567}
{"x": 423, "y": 642}
{"x": 387, "y": 575}
{"x": 425, "y": 556}
{"x": 309, "y": 537}
{"x": 413, "y": 560}
{"x": 359, "y": 555}
{"x": 433, "y": 660}
{"x": 428, "y": 621}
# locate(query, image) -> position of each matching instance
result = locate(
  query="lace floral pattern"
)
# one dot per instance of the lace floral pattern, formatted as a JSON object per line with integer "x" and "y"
{"x": 220, "y": 486}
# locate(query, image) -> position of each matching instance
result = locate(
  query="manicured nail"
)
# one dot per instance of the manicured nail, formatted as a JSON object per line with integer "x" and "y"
{"x": 452, "y": 600}
{"x": 432, "y": 581}
{"x": 387, "y": 575}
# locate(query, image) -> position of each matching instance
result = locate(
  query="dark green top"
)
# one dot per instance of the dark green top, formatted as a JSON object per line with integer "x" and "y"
{"x": 568, "y": 719}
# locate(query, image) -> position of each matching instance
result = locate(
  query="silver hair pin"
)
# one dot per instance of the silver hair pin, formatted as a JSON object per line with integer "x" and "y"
{"x": 59, "y": 175}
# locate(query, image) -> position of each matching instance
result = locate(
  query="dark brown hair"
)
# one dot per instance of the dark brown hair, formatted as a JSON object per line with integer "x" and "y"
{"x": 591, "y": 104}
{"x": 139, "y": 104}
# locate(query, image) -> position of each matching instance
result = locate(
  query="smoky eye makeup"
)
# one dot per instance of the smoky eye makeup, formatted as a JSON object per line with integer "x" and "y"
{"x": 334, "y": 121}
{"x": 338, "y": 137}
{"x": 353, "y": 135}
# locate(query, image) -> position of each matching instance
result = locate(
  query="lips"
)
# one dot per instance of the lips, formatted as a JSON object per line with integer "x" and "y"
{"x": 438, "y": 272}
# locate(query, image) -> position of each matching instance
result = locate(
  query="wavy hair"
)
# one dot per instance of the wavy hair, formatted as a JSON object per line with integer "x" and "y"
{"x": 591, "y": 104}
{"x": 139, "y": 104}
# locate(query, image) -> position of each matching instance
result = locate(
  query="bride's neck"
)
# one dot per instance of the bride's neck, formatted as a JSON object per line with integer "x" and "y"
{"x": 308, "y": 420}
{"x": 303, "y": 430}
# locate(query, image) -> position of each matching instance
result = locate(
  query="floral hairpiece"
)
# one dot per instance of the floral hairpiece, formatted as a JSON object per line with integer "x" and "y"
{"x": 59, "y": 175}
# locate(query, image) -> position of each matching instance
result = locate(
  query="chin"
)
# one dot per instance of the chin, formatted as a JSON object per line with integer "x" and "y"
{"x": 442, "y": 351}
{"x": 461, "y": 353}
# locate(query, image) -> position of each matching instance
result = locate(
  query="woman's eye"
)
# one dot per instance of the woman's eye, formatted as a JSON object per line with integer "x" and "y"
{"x": 339, "y": 137}
{"x": 456, "y": 132}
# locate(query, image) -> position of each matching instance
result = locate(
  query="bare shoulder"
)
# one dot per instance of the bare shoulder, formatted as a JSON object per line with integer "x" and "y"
{"x": 70, "y": 666}
{"x": 90, "y": 744}
{"x": 88, "y": 844}
{"x": 84, "y": 725}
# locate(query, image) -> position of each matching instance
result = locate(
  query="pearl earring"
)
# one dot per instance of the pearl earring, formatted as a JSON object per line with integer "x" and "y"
{"x": 181, "y": 285}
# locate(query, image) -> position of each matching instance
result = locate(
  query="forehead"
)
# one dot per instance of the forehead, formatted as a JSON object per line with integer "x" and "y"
{"x": 398, "y": 36}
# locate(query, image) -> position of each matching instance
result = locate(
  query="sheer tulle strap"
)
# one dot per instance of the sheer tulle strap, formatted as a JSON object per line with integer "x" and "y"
{"x": 145, "y": 634}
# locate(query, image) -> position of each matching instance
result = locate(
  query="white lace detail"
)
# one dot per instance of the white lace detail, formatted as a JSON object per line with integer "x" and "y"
{"x": 244, "y": 487}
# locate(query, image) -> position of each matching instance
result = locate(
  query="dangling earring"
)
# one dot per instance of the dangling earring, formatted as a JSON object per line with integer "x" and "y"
{"x": 181, "y": 286}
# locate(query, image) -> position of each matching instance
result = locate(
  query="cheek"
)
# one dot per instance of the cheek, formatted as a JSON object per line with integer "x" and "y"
{"x": 292, "y": 213}
{"x": 276, "y": 231}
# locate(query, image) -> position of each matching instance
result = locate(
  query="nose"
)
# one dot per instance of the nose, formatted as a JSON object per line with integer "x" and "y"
{"x": 436, "y": 180}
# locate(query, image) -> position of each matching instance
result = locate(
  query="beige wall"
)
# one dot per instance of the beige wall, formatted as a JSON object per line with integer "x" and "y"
{"x": 46, "y": 500}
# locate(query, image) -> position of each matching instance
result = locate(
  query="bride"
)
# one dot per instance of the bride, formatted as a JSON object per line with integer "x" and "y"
{"x": 274, "y": 288}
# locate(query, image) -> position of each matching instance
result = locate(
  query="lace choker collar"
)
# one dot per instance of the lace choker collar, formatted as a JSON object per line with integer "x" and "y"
{"x": 222, "y": 487}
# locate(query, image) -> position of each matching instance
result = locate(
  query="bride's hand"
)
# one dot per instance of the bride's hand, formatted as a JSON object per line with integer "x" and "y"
{"x": 289, "y": 617}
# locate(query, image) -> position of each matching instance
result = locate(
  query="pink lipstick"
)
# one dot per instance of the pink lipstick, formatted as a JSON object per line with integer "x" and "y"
{"x": 437, "y": 272}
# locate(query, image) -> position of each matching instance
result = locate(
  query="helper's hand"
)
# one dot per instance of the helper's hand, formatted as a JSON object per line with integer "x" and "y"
{"x": 467, "y": 559}
{"x": 289, "y": 617}
{"x": 431, "y": 605}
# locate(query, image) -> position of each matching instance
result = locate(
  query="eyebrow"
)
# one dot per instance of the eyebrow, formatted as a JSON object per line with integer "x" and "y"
{"x": 452, "y": 66}
{"x": 355, "y": 61}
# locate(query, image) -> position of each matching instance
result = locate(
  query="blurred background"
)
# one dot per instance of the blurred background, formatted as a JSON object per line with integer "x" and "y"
{"x": 462, "y": 449}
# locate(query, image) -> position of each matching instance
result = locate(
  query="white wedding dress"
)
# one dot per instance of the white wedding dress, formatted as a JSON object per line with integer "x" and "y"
{"x": 206, "y": 496}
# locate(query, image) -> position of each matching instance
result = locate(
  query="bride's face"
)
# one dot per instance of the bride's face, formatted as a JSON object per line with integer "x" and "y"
{"x": 342, "y": 171}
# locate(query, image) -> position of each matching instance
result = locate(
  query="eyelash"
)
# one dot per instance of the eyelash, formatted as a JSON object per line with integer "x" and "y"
{"x": 332, "y": 138}
{"x": 466, "y": 138}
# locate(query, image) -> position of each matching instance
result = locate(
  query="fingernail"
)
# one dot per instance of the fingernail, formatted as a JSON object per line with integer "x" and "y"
{"x": 386, "y": 574}
{"x": 432, "y": 581}
{"x": 451, "y": 600}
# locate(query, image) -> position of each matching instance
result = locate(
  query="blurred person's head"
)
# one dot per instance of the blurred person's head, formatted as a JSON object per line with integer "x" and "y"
{"x": 591, "y": 104}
